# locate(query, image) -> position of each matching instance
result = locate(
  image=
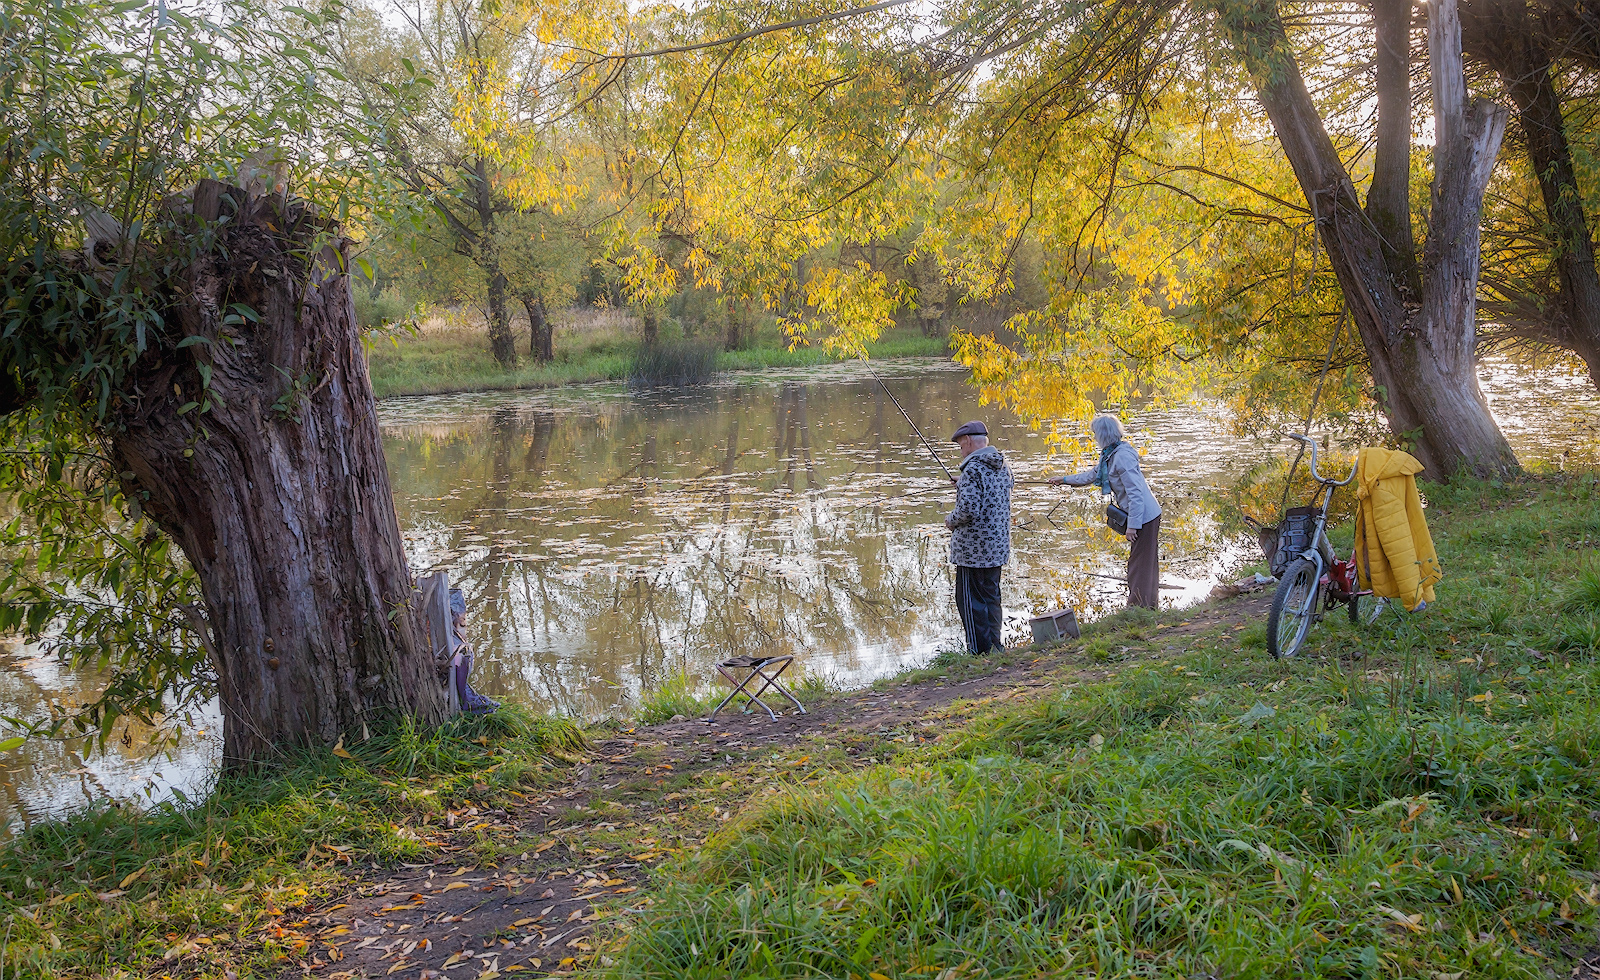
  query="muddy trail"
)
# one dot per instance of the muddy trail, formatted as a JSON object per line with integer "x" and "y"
{"x": 582, "y": 852}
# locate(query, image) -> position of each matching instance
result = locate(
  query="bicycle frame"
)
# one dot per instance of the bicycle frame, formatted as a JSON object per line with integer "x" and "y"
{"x": 1314, "y": 553}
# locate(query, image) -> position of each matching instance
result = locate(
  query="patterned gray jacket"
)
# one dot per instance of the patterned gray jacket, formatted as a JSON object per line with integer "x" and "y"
{"x": 981, "y": 522}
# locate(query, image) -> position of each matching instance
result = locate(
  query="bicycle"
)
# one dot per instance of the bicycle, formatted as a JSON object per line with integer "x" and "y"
{"x": 1313, "y": 579}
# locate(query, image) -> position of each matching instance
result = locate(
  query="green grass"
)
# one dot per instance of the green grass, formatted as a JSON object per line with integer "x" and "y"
{"x": 113, "y": 889}
{"x": 451, "y": 360}
{"x": 1420, "y": 799}
{"x": 677, "y": 695}
{"x": 459, "y": 361}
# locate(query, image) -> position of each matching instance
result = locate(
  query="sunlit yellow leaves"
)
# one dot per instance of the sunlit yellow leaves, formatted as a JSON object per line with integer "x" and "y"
{"x": 852, "y": 307}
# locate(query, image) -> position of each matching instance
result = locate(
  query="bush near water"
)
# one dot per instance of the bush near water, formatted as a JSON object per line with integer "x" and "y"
{"x": 1420, "y": 799}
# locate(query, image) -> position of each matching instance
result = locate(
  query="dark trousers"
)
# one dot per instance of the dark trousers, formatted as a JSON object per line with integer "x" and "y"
{"x": 1144, "y": 567}
{"x": 978, "y": 602}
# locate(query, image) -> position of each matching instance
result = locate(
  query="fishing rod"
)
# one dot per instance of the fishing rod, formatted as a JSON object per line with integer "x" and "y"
{"x": 914, "y": 428}
{"x": 1117, "y": 578}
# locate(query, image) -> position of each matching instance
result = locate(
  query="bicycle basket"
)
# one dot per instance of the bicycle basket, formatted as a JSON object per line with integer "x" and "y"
{"x": 1294, "y": 536}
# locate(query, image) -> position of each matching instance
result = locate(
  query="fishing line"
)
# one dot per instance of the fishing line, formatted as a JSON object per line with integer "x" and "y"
{"x": 914, "y": 428}
{"x": 1115, "y": 578}
{"x": 911, "y": 493}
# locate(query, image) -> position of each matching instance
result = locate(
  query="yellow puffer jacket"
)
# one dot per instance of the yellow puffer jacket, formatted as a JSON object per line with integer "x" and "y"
{"x": 1394, "y": 552}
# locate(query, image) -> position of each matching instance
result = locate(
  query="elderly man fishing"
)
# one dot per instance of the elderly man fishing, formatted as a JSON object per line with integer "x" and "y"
{"x": 980, "y": 539}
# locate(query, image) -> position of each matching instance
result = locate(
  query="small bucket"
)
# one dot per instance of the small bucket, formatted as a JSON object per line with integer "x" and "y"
{"x": 1054, "y": 626}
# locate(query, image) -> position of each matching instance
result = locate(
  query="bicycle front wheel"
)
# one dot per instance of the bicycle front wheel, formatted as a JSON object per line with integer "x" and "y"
{"x": 1292, "y": 609}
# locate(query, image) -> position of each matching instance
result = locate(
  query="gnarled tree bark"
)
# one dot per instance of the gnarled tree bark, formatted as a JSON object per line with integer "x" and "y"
{"x": 1389, "y": 197}
{"x": 258, "y": 451}
{"x": 1421, "y": 354}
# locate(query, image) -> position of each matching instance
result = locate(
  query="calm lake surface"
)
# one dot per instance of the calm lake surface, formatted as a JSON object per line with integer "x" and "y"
{"x": 608, "y": 540}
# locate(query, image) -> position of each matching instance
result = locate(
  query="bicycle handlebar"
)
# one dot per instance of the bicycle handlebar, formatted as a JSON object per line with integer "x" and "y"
{"x": 1314, "y": 474}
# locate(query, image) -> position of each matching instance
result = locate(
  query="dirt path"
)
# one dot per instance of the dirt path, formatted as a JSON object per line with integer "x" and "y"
{"x": 580, "y": 848}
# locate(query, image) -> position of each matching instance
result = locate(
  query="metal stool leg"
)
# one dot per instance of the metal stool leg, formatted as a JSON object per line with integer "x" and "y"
{"x": 772, "y": 682}
{"x": 738, "y": 686}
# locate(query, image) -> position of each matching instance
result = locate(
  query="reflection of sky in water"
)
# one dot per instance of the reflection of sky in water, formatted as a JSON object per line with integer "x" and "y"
{"x": 608, "y": 539}
{"x": 1550, "y": 414}
{"x": 52, "y": 777}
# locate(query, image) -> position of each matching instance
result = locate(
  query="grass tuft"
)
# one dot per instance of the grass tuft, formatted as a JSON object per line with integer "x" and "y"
{"x": 1583, "y": 596}
{"x": 677, "y": 695}
{"x": 673, "y": 363}
{"x": 103, "y": 890}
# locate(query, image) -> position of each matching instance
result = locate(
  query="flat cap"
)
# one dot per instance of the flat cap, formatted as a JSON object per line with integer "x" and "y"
{"x": 973, "y": 428}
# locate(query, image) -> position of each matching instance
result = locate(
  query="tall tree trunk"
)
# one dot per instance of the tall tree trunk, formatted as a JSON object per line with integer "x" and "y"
{"x": 1422, "y": 360}
{"x": 258, "y": 451}
{"x": 733, "y": 332}
{"x": 1576, "y": 320}
{"x": 649, "y": 329}
{"x": 501, "y": 343}
{"x": 1440, "y": 357}
{"x": 541, "y": 332}
{"x": 1389, "y": 198}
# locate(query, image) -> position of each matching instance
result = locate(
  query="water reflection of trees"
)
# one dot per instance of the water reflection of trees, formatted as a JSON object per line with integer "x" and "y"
{"x": 50, "y": 776}
{"x": 603, "y": 550}
{"x": 609, "y": 546}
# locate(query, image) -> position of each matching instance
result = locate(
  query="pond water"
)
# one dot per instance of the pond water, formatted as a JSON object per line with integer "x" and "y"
{"x": 608, "y": 540}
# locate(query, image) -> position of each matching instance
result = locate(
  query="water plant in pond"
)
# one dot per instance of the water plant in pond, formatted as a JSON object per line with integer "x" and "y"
{"x": 674, "y": 362}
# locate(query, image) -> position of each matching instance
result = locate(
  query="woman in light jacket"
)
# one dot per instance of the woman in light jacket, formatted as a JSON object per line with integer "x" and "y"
{"x": 1118, "y": 473}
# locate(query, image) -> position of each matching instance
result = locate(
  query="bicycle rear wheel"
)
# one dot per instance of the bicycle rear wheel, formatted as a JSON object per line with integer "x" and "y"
{"x": 1292, "y": 609}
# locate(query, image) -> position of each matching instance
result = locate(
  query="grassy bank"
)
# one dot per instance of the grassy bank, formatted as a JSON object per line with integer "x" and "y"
{"x": 1418, "y": 799}
{"x": 118, "y": 892}
{"x": 452, "y": 357}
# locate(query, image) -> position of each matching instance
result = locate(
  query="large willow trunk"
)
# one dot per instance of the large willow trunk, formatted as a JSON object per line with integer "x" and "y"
{"x": 256, "y": 447}
{"x": 1421, "y": 346}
